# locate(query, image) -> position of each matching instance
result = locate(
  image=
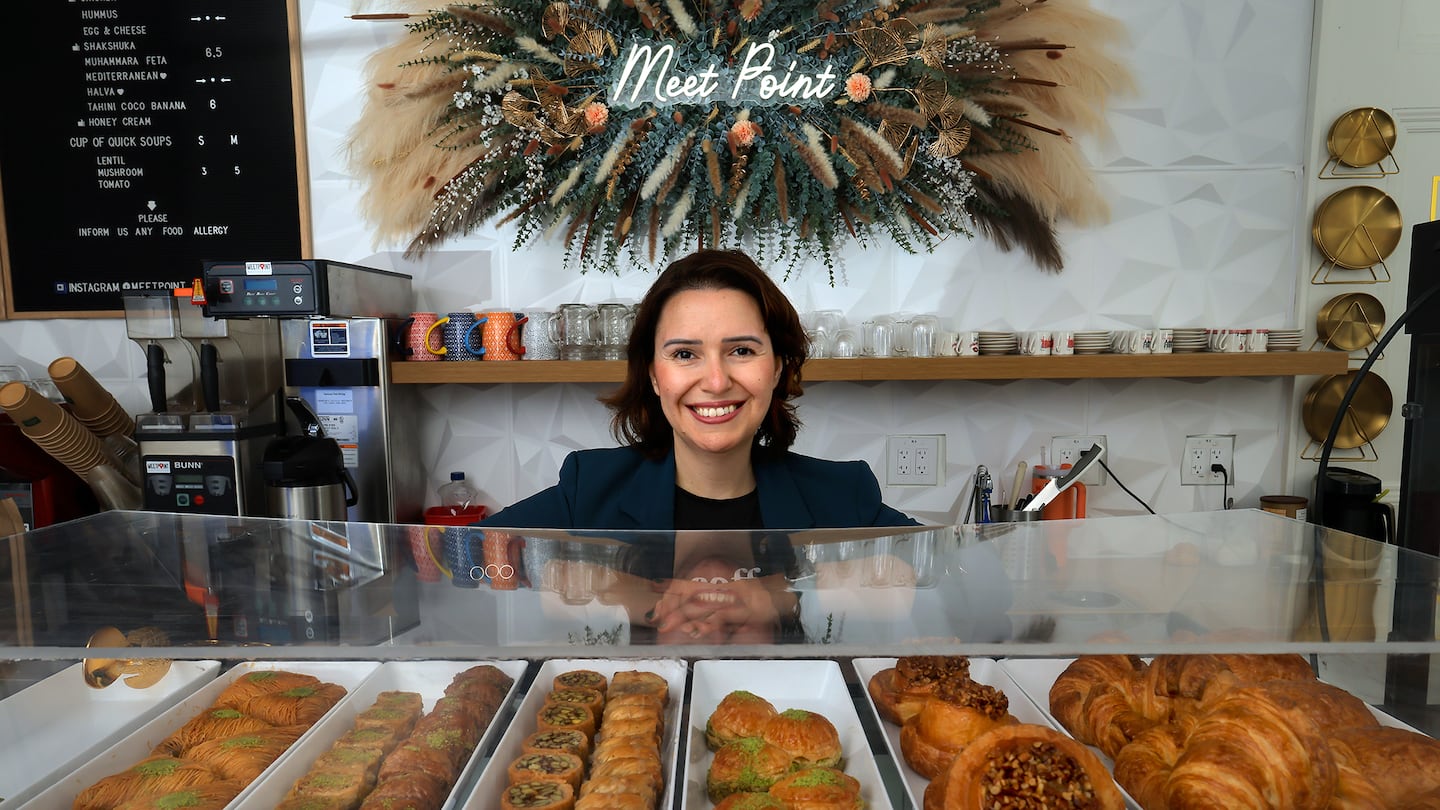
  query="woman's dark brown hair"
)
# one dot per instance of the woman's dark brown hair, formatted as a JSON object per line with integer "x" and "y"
{"x": 638, "y": 418}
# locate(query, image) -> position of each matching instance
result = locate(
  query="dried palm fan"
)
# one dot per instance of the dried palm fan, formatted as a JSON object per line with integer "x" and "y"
{"x": 392, "y": 144}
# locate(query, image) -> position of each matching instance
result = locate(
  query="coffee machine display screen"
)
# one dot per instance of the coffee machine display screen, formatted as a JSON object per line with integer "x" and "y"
{"x": 262, "y": 284}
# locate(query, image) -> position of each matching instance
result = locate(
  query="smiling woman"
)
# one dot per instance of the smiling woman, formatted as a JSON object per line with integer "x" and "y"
{"x": 706, "y": 421}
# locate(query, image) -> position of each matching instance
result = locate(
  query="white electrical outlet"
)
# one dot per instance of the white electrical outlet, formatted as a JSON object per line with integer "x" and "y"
{"x": 914, "y": 461}
{"x": 1202, "y": 452}
{"x": 1067, "y": 450}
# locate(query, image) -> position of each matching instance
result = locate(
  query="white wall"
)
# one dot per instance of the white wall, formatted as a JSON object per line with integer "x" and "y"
{"x": 1209, "y": 174}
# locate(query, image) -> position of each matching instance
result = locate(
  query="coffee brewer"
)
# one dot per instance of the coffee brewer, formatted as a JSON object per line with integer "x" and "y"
{"x": 335, "y": 321}
{"x": 214, "y": 406}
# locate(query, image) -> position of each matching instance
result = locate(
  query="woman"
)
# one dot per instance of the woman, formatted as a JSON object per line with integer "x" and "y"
{"x": 706, "y": 421}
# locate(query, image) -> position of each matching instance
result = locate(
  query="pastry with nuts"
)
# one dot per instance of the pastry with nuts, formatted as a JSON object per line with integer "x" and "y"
{"x": 957, "y": 713}
{"x": 1026, "y": 765}
{"x": 739, "y": 714}
{"x": 748, "y": 765}
{"x": 900, "y": 691}
{"x": 809, "y": 737}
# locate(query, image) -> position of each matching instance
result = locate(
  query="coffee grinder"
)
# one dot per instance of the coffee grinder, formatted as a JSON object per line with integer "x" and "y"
{"x": 202, "y": 442}
{"x": 335, "y": 322}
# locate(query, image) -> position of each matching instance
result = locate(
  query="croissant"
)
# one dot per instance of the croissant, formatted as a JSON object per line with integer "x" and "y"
{"x": 1188, "y": 676}
{"x": 1400, "y": 763}
{"x": 1031, "y": 766}
{"x": 1256, "y": 747}
{"x": 1143, "y": 766}
{"x": 1107, "y": 700}
{"x": 959, "y": 711}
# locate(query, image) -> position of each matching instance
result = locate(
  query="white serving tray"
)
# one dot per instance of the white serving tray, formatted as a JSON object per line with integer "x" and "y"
{"x": 984, "y": 670}
{"x": 428, "y": 678}
{"x": 486, "y": 795}
{"x": 816, "y": 686}
{"x": 137, "y": 745}
{"x": 53, "y": 727}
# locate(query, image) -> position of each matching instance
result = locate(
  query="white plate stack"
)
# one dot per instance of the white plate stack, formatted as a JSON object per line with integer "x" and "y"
{"x": 1284, "y": 340}
{"x": 1190, "y": 339}
{"x": 998, "y": 343}
{"x": 1093, "y": 342}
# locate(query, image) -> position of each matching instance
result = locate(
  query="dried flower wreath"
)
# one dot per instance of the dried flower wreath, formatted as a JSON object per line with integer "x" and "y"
{"x": 655, "y": 126}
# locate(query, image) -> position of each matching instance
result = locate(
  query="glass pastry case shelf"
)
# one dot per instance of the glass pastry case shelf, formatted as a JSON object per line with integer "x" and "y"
{"x": 131, "y": 597}
{"x": 861, "y": 369}
{"x": 1241, "y": 580}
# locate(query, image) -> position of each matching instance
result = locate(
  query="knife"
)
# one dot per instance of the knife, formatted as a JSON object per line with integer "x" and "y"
{"x": 1056, "y": 486}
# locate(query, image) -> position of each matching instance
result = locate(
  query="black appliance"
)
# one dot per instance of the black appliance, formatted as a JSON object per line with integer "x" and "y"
{"x": 1349, "y": 505}
{"x": 1419, "y": 518}
{"x": 1418, "y": 525}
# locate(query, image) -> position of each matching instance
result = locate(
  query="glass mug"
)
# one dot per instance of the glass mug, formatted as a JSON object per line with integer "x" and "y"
{"x": 614, "y": 322}
{"x": 575, "y": 332}
{"x": 879, "y": 337}
{"x": 924, "y": 336}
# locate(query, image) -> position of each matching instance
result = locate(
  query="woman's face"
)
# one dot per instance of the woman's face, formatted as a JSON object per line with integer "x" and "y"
{"x": 714, "y": 370}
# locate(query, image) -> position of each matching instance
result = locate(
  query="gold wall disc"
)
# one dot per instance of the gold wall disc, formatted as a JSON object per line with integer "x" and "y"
{"x": 1357, "y": 227}
{"x": 1361, "y": 137}
{"x": 1366, "y": 418}
{"x": 1350, "y": 322}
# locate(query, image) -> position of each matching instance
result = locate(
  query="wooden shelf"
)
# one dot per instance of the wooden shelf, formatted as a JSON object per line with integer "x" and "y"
{"x": 1007, "y": 367}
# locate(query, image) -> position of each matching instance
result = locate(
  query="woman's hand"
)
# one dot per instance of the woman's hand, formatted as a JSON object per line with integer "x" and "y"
{"x": 706, "y": 610}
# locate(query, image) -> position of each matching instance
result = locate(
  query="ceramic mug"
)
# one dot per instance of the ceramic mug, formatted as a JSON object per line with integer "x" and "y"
{"x": 1037, "y": 343}
{"x": 1258, "y": 341}
{"x": 500, "y": 335}
{"x": 1062, "y": 343}
{"x": 461, "y": 342}
{"x": 418, "y": 340}
{"x": 967, "y": 343}
{"x": 1164, "y": 342}
{"x": 539, "y": 335}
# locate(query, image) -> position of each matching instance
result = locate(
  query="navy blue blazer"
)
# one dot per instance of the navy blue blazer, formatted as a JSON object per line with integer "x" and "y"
{"x": 619, "y": 488}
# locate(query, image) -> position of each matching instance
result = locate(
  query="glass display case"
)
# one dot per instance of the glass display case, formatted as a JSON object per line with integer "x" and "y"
{"x": 124, "y": 600}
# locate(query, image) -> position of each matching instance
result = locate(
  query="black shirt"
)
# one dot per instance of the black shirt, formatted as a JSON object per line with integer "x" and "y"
{"x": 695, "y": 512}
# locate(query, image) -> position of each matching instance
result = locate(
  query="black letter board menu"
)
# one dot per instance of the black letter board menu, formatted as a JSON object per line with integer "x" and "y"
{"x": 143, "y": 137}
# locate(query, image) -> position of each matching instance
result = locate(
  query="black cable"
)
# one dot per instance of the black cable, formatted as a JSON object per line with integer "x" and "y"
{"x": 1121, "y": 484}
{"x": 1318, "y": 501}
{"x": 1224, "y": 484}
